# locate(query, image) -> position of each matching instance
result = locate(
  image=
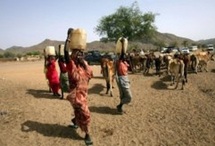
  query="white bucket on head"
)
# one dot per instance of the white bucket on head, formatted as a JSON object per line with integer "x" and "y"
{"x": 119, "y": 45}
{"x": 78, "y": 39}
{"x": 50, "y": 50}
{"x": 61, "y": 49}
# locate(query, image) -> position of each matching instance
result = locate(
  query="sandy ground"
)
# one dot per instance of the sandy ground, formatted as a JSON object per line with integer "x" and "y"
{"x": 157, "y": 116}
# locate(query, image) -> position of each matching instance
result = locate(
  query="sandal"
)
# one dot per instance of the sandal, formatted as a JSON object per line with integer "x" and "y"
{"x": 73, "y": 126}
{"x": 88, "y": 140}
{"x": 119, "y": 109}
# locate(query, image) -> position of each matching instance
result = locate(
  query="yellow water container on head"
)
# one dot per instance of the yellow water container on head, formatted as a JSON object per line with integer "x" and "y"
{"x": 50, "y": 50}
{"x": 78, "y": 39}
{"x": 61, "y": 49}
{"x": 119, "y": 45}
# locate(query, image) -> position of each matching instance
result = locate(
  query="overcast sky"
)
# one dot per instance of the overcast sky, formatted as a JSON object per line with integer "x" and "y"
{"x": 29, "y": 22}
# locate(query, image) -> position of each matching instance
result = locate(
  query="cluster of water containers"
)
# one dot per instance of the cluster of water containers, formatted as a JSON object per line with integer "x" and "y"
{"x": 78, "y": 40}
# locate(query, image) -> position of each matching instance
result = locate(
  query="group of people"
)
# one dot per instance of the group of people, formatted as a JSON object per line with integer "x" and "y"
{"x": 56, "y": 81}
{"x": 79, "y": 74}
{"x": 75, "y": 70}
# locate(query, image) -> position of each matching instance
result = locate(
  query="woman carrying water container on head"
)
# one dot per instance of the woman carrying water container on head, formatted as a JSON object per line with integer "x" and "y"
{"x": 122, "y": 74}
{"x": 79, "y": 73}
{"x": 64, "y": 81}
{"x": 51, "y": 70}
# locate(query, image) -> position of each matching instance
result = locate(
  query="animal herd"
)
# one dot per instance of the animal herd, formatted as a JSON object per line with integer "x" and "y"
{"x": 175, "y": 65}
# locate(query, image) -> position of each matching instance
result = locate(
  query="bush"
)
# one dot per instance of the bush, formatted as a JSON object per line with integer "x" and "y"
{"x": 9, "y": 55}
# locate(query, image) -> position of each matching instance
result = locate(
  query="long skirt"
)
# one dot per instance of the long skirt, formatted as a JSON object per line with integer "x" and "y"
{"x": 78, "y": 101}
{"x": 64, "y": 82}
{"x": 124, "y": 89}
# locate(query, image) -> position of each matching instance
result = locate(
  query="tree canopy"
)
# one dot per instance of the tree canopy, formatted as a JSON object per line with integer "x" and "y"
{"x": 128, "y": 22}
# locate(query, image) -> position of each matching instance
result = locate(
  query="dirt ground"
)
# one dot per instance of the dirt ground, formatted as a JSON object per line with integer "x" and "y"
{"x": 157, "y": 115}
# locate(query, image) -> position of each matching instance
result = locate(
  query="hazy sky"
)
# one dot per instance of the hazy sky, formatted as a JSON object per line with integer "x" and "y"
{"x": 29, "y": 22}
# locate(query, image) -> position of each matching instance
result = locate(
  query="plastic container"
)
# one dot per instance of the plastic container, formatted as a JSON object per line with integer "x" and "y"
{"x": 78, "y": 39}
{"x": 119, "y": 45}
{"x": 61, "y": 49}
{"x": 50, "y": 50}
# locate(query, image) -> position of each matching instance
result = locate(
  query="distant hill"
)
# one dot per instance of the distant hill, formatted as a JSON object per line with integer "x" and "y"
{"x": 208, "y": 41}
{"x": 39, "y": 47}
{"x": 15, "y": 49}
{"x": 168, "y": 39}
{"x": 164, "y": 38}
{"x": 1, "y": 51}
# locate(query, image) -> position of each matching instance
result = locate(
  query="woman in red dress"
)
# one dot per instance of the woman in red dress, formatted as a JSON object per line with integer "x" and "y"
{"x": 52, "y": 75}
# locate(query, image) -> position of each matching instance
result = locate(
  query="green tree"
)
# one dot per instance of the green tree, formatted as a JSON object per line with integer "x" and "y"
{"x": 36, "y": 53}
{"x": 19, "y": 55}
{"x": 185, "y": 43}
{"x": 127, "y": 22}
{"x": 160, "y": 44}
{"x": 29, "y": 53}
{"x": 33, "y": 53}
{"x": 174, "y": 44}
{"x": 9, "y": 55}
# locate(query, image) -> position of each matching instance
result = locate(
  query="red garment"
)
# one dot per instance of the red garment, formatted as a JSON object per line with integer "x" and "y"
{"x": 122, "y": 68}
{"x": 79, "y": 79}
{"x": 52, "y": 76}
{"x": 62, "y": 67}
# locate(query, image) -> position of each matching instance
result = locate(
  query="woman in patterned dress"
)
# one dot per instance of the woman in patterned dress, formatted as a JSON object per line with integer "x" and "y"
{"x": 79, "y": 73}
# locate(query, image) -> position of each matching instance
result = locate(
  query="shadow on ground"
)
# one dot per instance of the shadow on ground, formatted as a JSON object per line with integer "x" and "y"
{"x": 104, "y": 110}
{"x": 159, "y": 85}
{"x": 41, "y": 94}
{"x": 166, "y": 78}
{"x": 96, "y": 89}
{"x": 51, "y": 130}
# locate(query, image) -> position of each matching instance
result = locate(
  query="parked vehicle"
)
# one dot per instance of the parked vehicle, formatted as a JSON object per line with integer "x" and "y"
{"x": 193, "y": 48}
{"x": 210, "y": 48}
{"x": 93, "y": 57}
{"x": 110, "y": 55}
{"x": 163, "y": 49}
{"x": 171, "y": 50}
{"x": 185, "y": 51}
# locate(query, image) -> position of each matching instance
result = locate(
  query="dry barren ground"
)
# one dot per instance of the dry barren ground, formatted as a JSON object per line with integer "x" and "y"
{"x": 157, "y": 116}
